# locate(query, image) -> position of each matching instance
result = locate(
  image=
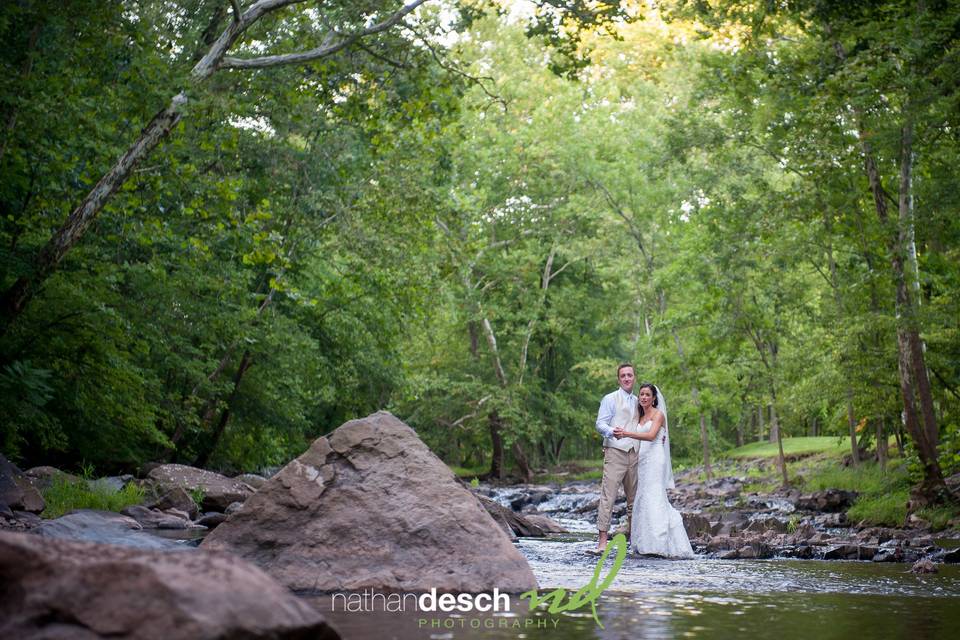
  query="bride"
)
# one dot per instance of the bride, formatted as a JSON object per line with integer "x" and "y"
{"x": 657, "y": 527}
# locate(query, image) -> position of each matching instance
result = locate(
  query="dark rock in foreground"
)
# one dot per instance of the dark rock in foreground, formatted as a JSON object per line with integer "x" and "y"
{"x": 371, "y": 506}
{"x": 64, "y": 589}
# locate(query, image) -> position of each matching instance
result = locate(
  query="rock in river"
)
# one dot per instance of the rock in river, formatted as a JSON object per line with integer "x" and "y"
{"x": 218, "y": 491}
{"x": 16, "y": 492}
{"x": 370, "y": 506}
{"x": 66, "y": 589}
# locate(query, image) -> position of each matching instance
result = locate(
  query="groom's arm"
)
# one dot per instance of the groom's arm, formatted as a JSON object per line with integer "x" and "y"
{"x": 604, "y": 416}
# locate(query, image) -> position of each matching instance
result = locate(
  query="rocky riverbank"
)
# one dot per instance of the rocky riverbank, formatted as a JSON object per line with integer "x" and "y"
{"x": 725, "y": 520}
{"x": 368, "y": 506}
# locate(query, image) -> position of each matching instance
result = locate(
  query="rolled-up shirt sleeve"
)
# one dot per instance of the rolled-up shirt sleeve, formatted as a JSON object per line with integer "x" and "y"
{"x": 605, "y": 415}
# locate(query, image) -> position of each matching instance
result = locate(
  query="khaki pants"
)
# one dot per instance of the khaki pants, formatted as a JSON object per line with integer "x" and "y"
{"x": 619, "y": 467}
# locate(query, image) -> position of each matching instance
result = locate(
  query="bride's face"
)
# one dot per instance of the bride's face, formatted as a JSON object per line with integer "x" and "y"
{"x": 646, "y": 397}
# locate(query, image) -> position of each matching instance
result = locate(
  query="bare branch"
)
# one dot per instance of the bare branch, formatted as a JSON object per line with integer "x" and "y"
{"x": 381, "y": 57}
{"x": 322, "y": 51}
{"x": 237, "y": 12}
{"x": 213, "y": 59}
{"x": 460, "y": 421}
{"x": 557, "y": 272}
{"x": 460, "y": 72}
{"x": 634, "y": 231}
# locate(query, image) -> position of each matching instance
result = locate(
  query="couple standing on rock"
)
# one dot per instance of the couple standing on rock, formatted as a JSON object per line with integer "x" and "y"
{"x": 655, "y": 527}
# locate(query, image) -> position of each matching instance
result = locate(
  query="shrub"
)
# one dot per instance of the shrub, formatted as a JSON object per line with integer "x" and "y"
{"x": 65, "y": 495}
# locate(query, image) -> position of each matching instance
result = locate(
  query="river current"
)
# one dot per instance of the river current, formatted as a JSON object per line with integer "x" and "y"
{"x": 700, "y": 598}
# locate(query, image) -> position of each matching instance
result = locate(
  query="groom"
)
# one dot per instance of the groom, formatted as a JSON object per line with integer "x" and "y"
{"x": 617, "y": 409}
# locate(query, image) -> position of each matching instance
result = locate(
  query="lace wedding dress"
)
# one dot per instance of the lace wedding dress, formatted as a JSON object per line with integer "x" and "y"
{"x": 657, "y": 527}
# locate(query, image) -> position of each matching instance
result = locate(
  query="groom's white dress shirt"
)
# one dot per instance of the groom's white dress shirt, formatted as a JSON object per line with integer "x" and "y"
{"x": 618, "y": 409}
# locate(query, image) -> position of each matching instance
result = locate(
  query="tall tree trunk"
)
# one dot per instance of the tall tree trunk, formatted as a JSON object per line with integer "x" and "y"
{"x": 496, "y": 443}
{"x": 775, "y": 427}
{"x": 881, "y": 444}
{"x": 838, "y": 303}
{"x": 907, "y": 242}
{"x": 913, "y": 375}
{"x": 852, "y": 427}
{"x": 760, "y": 425}
{"x": 15, "y": 298}
{"x": 704, "y": 438}
{"x": 695, "y": 395}
{"x": 246, "y": 362}
{"x": 522, "y": 463}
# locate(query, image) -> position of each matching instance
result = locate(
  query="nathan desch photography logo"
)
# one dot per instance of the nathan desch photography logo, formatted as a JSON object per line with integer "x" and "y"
{"x": 494, "y": 602}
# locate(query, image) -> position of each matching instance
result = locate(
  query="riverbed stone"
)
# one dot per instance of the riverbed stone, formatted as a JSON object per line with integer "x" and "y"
{"x": 828, "y": 500}
{"x": 154, "y": 518}
{"x": 212, "y": 519}
{"x": 831, "y": 520}
{"x": 696, "y": 524}
{"x": 42, "y": 477}
{"x": 370, "y": 506}
{"x": 176, "y": 498}
{"x": 767, "y": 523}
{"x": 67, "y": 589}
{"x": 514, "y": 524}
{"x": 218, "y": 491}
{"x": 923, "y": 566}
{"x": 254, "y": 480}
{"x": 545, "y": 523}
{"x": 104, "y": 527}
{"x": 16, "y": 491}
{"x": 109, "y": 484}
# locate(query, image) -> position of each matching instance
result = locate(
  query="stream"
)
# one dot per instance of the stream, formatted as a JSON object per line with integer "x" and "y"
{"x": 700, "y": 598}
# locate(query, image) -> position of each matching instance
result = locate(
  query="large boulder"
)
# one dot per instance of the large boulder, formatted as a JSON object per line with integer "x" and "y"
{"x": 16, "y": 491}
{"x": 369, "y": 506}
{"x": 66, "y": 589}
{"x": 218, "y": 491}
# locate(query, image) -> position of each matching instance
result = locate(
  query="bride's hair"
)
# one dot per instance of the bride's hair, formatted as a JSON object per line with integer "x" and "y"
{"x": 653, "y": 389}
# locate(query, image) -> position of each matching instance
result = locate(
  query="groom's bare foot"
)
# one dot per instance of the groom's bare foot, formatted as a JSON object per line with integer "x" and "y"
{"x": 602, "y": 542}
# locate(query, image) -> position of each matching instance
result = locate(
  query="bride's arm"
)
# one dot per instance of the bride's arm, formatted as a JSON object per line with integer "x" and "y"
{"x": 650, "y": 433}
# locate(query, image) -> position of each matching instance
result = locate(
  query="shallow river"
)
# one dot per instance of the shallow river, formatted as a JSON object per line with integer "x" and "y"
{"x": 701, "y": 598}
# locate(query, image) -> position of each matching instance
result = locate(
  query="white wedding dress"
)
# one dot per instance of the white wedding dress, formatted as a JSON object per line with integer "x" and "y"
{"x": 657, "y": 527}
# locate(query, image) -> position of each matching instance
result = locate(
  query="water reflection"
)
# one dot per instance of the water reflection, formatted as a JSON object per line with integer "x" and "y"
{"x": 566, "y": 564}
{"x": 783, "y": 615}
{"x": 701, "y": 598}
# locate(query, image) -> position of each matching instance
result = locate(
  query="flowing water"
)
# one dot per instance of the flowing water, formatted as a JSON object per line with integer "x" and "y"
{"x": 700, "y": 598}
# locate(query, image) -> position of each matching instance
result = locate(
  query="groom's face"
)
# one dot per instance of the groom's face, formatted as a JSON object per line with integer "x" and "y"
{"x": 626, "y": 377}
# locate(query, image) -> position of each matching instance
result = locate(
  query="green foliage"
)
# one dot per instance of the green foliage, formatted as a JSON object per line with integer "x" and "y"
{"x": 198, "y": 494}
{"x": 65, "y": 495}
{"x": 868, "y": 479}
{"x": 373, "y": 230}
{"x": 939, "y": 517}
{"x": 887, "y": 509}
{"x": 791, "y": 446}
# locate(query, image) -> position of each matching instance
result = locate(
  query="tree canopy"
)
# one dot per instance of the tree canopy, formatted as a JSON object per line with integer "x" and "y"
{"x": 226, "y": 228}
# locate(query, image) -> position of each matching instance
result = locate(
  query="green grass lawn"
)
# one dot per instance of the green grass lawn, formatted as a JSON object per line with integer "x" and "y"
{"x": 791, "y": 446}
